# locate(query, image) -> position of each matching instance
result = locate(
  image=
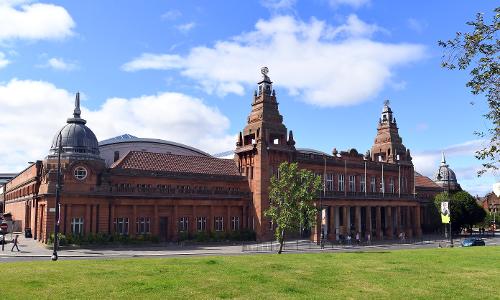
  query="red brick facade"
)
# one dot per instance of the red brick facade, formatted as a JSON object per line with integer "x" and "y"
{"x": 166, "y": 194}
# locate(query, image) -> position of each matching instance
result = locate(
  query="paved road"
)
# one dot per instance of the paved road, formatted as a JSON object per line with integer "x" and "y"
{"x": 32, "y": 250}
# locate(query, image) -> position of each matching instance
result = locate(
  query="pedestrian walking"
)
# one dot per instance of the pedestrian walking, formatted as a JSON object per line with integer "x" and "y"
{"x": 349, "y": 239}
{"x": 357, "y": 238}
{"x": 369, "y": 239}
{"x": 15, "y": 244}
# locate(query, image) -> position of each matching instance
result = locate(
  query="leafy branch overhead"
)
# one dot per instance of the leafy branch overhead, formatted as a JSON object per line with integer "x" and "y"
{"x": 478, "y": 51}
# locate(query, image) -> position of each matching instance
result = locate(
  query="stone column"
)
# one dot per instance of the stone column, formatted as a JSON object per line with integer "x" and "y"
{"x": 378, "y": 222}
{"x": 175, "y": 224}
{"x": 388, "y": 222}
{"x": 398, "y": 220}
{"x": 67, "y": 228}
{"x": 133, "y": 224}
{"x": 368, "y": 221}
{"x": 408, "y": 217}
{"x": 357, "y": 219}
{"x": 210, "y": 221}
{"x": 192, "y": 221}
{"x": 112, "y": 221}
{"x": 87, "y": 220}
{"x": 156, "y": 222}
{"x": 418, "y": 226}
{"x": 331, "y": 223}
{"x": 346, "y": 220}
{"x": 228, "y": 218}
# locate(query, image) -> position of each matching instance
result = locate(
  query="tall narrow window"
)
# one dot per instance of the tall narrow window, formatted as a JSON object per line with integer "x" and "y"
{"x": 183, "y": 224}
{"x": 352, "y": 183}
{"x": 116, "y": 156}
{"x": 77, "y": 226}
{"x": 235, "y": 223}
{"x": 121, "y": 226}
{"x": 391, "y": 185}
{"x": 219, "y": 223}
{"x": 201, "y": 224}
{"x": 329, "y": 182}
{"x": 373, "y": 186}
{"x": 362, "y": 183}
{"x": 143, "y": 225}
{"x": 341, "y": 182}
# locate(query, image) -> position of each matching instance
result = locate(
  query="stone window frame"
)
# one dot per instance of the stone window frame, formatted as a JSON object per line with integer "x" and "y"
{"x": 219, "y": 223}
{"x": 235, "y": 223}
{"x": 201, "y": 224}
{"x": 80, "y": 173}
{"x": 77, "y": 225}
{"x": 143, "y": 225}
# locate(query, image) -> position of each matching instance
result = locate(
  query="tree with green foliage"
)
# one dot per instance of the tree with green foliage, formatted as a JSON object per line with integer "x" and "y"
{"x": 479, "y": 51}
{"x": 291, "y": 197}
{"x": 465, "y": 211}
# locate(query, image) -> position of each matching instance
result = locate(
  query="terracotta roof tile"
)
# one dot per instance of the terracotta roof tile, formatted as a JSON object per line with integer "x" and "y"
{"x": 163, "y": 162}
{"x": 424, "y": 181}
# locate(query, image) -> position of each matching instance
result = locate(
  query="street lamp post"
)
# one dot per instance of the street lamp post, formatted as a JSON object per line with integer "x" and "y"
{"x": 58, "y": 200}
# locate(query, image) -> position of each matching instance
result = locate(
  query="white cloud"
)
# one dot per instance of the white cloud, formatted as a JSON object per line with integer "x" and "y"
{"x": 353, "y": 3}
{"x": 185, "y": 28}
{"x": 153, "y": 62}
{"x": 33, "y": 111}
{"x": 278, "y": 5}
{"x": 321, "y": 64}
{"x": 416, "y": 25}
{"x": 33, "y": 21}
{"x": 60, "y": 64}
{"x": 171, "y": 15}
{"x": 460, "y": 158}
{"x": 3, "y": 60}
{"x": 355, "y": 27}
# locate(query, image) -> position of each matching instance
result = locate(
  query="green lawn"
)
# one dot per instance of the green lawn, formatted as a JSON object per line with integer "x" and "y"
{"x": 467, "y": 273}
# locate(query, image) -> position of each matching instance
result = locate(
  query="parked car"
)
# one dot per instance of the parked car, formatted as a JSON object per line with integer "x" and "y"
{"x": 472, "y": 242}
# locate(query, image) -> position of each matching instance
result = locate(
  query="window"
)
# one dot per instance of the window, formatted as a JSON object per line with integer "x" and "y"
{"x": 121, "y": 226}
{"x": 201, "y": 223}
{"x": 362, "y": 183}
{"x": 219, "y": 223}
{"x": 143, "y": 225}
{"x": 329, "y": 182}
{"x": 77, "y": 226}
{"x": 80, "y": 173}
{"x": 183, "y": 224}
{"x": 116, "y": 156}
{"x": 271, "y": 225}
{"x": 341, "y": 182}
{"x": 373, "y": 186}
{"x": 352, "y": 183}
{"x": 235, "y": 223}
{"x": 391, "y": 185}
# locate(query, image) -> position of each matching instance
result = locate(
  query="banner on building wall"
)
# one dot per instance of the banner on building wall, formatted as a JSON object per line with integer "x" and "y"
{"x": 445, "y": 213}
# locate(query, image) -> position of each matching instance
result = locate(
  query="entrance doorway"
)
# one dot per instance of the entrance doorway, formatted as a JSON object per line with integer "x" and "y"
{"x": 164, "y": 229}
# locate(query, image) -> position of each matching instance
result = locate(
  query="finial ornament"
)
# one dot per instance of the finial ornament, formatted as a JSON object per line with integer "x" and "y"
{"x": 77, "y": 111}
{"x": 387, "y": 102}
{"x": 443, "y": 158}
{"x": 264, "y": 71}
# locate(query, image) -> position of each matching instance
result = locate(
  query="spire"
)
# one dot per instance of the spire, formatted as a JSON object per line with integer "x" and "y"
{"x": 240, "y": 141}
{"x": 443, "y": 159}
{"x": 77, "y": 112}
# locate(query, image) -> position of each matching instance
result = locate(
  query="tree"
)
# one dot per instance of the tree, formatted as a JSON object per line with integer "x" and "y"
{"x": 479, "y": 51}
{"x": 465, "y": 212}
{"x": 291, "y": 197}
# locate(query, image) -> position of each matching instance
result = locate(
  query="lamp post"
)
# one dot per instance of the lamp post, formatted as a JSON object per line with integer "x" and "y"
{"x": 54, "y": 256}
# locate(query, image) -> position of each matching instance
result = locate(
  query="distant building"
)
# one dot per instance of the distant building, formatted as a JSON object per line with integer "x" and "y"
{"x": 136, "y": 186}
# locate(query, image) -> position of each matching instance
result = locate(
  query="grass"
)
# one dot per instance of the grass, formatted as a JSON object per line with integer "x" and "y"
{"x": 463, "y": 273}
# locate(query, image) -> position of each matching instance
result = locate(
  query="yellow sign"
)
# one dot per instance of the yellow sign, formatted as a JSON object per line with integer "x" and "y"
{"x": 445, "y": 213}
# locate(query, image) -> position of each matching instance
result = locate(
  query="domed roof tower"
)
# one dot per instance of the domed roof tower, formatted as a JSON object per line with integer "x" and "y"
{"x": 77, "y": 140}
{"x": 445, "y": 177}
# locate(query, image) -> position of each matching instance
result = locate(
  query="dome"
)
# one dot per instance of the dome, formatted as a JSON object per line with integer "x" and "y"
{"x": 445, "y": 177}
{"x": 76, "y": 138}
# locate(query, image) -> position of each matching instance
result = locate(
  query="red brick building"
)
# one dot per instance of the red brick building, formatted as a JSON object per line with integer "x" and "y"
{"x": 165, "y": 194}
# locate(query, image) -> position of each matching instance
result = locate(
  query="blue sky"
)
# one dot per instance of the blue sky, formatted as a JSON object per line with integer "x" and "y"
{"x": 185, "y": 71}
